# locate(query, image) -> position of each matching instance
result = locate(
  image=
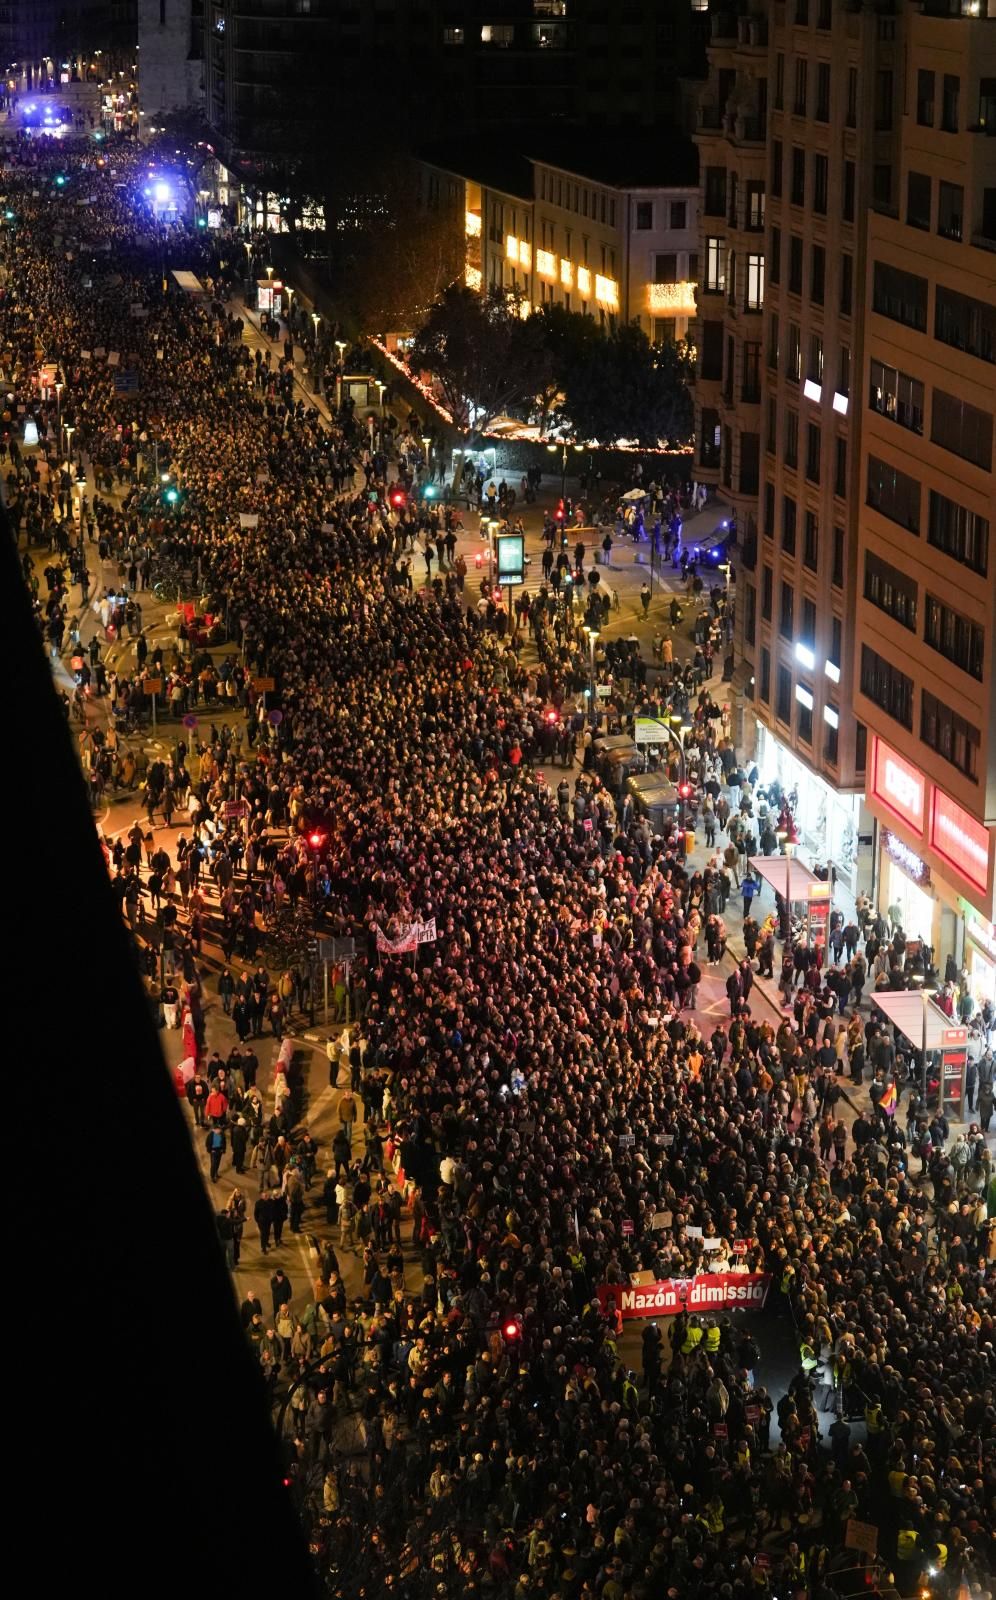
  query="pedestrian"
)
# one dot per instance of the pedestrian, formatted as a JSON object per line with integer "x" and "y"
{"x": 280, "y": 1290}
{"x": 263, "y": 1218}
{"x": 214, "y": 1144}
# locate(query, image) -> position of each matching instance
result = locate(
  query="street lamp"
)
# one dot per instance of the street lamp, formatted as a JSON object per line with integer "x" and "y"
{"x": 340, "y": 345}
{"x": 593, "y": 637}
{"x": 269, "y": 274}
{"x": 58, "y": 411}
{"x": 788, "y": 843}
{"x": 563, "y": 463}
{"x": 70, "y": 430}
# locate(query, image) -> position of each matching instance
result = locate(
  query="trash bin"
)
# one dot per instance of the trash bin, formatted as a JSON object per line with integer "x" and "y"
{"x": 689, "y": 841}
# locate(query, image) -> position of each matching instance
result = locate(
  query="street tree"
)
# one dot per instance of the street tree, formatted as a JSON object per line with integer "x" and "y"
{"x": 620, "y": 386}
{"x": 485, "y": 358}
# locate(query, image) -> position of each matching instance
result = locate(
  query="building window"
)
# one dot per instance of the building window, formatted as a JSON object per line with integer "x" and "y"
{"x": 807, "y": 635}
{"x": 644, "y": 216}
{"x": 963, "y": 429}
{"x": 955, "y": 637}
{"x": 801, "y": 86}
{"x": 783, "y": 705}
{"x": 962, "y": 535}
{"x": 895, "y": 395}
{"x": 715, "y": 273}
{"x": 771, "y": 428}
{"x": 679, "y": 212}
{"x": 840, "y": 466}
{"x": 791, "y": 438}
{"x": 837, "y": 569}
{"x": 851, "y": 117}
{"x": 453, "y": 36}
{"x": 887, "y": 687}
{"x": 786, "y": 611}
{"x": 814, "y": 371}
{"x": 950, "y": 209}
{"x": 750, "y": 613}
{"x": 820, "y": 171}
{"x": 965, "y": 324}
{"x": 848, "y": 197}
{"x": 754, "y": 221}
{"x": 666, "y": 268}
{"x": 831, "y": 724}
{"x": 732, "y": 187}
{"x": 901, "y": 296}
{"x": 925, "y": 98}
{"x": 775, "y": 255}
{"x": 811, "y": 542}
{"x": 798, "y": 195}
{"x": 766, "y": 586}
{"x": 949, "y": 103}
{"x": 779, "y": 82}
{"x": 714, "y": 196}
{"x": 500, "y": 34}
{"x": 846, "y": 283}
{"x": 943, "y": 730}
{"x": 813, "y": 452}
{"x": 883, "y": 101}
{"x": 773, "y": 343}
{"x": 788, "y": 525}
{"x": 987, "y": 104}
{"x": 804, "y": 713}
{"x": 793, "y": 354}
{"x": 918, "y": 200}
{"x": 751, "y": 391}
{"x": 765, "y": 689}
{"x": 893, "y": 494}
{"x": 844, "y": 370}
{"x": 817, "y": 274}
{"x": 823, "y": 91}
{"x": 795, "y": 264}
{"x": 891, "y": 591}
{"x": 776, "y": 168}
{"x": 882, "y": 185}
{"x": 755, "y": 283}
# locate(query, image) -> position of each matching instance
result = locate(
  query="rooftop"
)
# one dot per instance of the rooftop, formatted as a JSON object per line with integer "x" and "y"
{"x": 662, "y": 158}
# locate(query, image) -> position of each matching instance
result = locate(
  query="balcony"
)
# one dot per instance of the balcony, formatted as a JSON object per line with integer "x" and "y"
{"x": 752, "y": 33}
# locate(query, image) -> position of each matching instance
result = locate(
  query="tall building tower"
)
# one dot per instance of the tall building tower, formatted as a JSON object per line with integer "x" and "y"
{"x": 170, "y": 58}
{"x": 731, "y": 138}
{"x": 926, "y": 559}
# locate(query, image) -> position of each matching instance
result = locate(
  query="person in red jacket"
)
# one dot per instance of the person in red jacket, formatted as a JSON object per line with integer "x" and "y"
{"x": 217, "y": 1107}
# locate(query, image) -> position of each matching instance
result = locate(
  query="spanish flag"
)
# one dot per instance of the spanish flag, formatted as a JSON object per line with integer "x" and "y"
{"x": 888, "y": 1100}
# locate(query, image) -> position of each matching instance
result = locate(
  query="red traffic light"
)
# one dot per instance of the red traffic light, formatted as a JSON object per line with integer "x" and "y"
{"x": 685, "y": 791}
{"x": 559, "y": 513}
{"x": 316, "y": 840}
{"x": 512, "y": 1330}
{"x": 398, "y": 498}
{"x": 551, "y": 716}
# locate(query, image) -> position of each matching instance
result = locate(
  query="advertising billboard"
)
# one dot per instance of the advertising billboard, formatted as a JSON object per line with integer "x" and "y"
{"x": 898, "y": 785}
{"x": 511, "y": 551}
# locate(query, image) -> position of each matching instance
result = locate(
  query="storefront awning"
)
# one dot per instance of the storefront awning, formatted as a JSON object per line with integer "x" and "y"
{"x": 772, "y": 870}
{"x": 905, "y": 1008}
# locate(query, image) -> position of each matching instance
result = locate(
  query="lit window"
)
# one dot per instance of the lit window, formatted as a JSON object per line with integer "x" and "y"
{"x": 546, "y": 264}
{"x": 755, "y": 283}
{"x": 567, "y": 273}
{"x": 512, "y": 247}
{"x": 472, "y": 277}
{"x": 584, "y": 282}
{"x": 453, "y": 36}
{"x": 498, "y": 33}
{"x": 525, "y": 254}
{"x": 473, "y": 223}
{"x": 606, "y": 291}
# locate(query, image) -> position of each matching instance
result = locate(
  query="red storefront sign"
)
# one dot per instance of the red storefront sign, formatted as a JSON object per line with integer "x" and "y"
{"x": 898, "y": 785}
{"x": 963, "y": 842}
{"x": 707, "y": 1291}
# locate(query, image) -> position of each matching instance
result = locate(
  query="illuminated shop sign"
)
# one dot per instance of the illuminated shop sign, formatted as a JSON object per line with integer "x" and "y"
{"x": 963, "y": 842}
{"x": 898, "y": 785}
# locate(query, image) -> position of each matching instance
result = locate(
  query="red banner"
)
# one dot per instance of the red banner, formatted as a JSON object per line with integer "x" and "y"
{"x": 707, "y": 1291}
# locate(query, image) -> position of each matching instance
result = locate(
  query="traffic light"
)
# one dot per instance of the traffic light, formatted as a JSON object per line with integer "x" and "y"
{"x": 430, "y": 491}
{"x": 559, "y": 513}
{"x": 316, "y": 839}
{"x": 685, "y": 790}
{"x": 60, "y": 181}
{"x": 512, "y": 1330}
{"x": 398, "y": 498}
{"x": 172, "y": 496}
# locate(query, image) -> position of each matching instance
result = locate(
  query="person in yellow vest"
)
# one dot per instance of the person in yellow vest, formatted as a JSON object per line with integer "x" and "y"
{"x": 715, "y": 1516}
{"x": 712, "y": 1337}
{"x": 807, "y": 1357}
{"x": 693, "y": 1337}
{"x": 630, "y": 1393}
{"x": 907, "y": 1545}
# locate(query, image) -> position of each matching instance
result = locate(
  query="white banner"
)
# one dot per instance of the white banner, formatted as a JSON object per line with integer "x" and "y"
{"x": 410, "y": 937}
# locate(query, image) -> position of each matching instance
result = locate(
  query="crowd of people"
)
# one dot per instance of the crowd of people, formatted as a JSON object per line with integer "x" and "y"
{"x": 535, "y": 1070}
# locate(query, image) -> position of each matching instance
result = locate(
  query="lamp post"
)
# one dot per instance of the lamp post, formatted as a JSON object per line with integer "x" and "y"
{"x": 788, "y": 848}
{"x": 58, "y": 411}
{"x": 593, "y": 637}
{"x": 340, "y": 345}
{"x": 70, "y": 430}
{"x": 924, "y": 1001}
{"x": 684, "y": 787}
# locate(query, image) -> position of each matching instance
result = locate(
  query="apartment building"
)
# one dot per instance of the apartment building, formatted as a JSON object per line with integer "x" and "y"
{"x": 600, "y": 229}
{"x": 731, "y": 139}
{"x": 926, "y": 602}
{"x": 170, "y": 58}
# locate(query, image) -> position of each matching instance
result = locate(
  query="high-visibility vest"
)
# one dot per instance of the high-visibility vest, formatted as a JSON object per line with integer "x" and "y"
{"x": 786, "y": 1280}
{"x": 906, "y": 1544}
{"x": 712, "y": 1340}
{"x": 897, "y": 1483}
{"x": 807, "y": 1356}
{"x": 714, "y": 1514}
{"x": 873, "y": 1419}
{"x": 942, "y": 1554}
{"x": 630, "y": 1393}
{"x": 691, "y": 1341}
